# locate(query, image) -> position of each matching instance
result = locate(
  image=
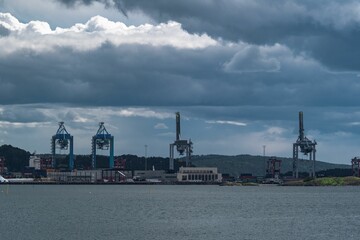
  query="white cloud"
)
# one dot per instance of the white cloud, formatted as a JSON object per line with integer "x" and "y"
{"x": 143, "y": 112}
{"x": 5, "y": 124}
{"x": 95, "y": 114}
{"x": 354, "y": 124}
{"x": 166, "y": 134}
{"x": 161, "y": 126}
{"x": 10, "y": 22}
{"x": 39, "y": 37}
{"x": 227, "y": 122}
{"x": 275, "y": 131}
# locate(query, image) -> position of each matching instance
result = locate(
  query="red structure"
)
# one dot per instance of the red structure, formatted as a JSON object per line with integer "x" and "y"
{"x": 45, "y": 163}
{"x": 273, "y": 168}
{"x": 2, "y": 164}
{"x": 120, "y": 163}
{"x": 355, "y": 163}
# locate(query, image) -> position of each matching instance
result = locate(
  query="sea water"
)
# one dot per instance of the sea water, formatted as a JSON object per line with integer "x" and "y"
{"x": 178, "y": 212}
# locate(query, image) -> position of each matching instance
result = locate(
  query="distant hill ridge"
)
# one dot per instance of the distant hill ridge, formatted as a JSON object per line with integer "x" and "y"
{"x": 256, "y": 165}
{"x": 17, "y": 159}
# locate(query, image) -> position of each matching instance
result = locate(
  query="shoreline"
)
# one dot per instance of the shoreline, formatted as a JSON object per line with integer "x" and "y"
{"x": 325, "y": 181}
{"x": 109, "y": 183}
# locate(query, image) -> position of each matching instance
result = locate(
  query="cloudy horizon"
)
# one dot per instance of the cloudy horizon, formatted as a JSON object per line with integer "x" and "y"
{"x": 239, "y": 72}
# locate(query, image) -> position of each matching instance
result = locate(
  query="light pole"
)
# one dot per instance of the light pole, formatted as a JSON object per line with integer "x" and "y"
{"x": 264, "y": 147}
{"x": 146, "y": 157}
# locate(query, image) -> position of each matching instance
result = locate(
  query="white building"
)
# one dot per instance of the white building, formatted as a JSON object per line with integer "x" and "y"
{"x": 199, "y": 174}
{"x": 35, "y": 162}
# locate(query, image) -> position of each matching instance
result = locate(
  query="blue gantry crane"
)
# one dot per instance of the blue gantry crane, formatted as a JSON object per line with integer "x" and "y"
{"x": 103, "y": 141}
{"x": 62, "y": 140}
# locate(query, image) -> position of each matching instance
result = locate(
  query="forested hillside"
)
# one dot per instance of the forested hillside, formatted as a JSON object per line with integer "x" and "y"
{"x": 17, "y": 159}
{"x": 256, "y": 165}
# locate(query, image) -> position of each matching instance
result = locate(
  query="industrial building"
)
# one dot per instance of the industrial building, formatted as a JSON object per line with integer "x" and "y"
{"x": 90, "y": 176}
{"x": 35, "y": 162}
{"x": 110, "y": 176}
{"x": 199, "y": 174}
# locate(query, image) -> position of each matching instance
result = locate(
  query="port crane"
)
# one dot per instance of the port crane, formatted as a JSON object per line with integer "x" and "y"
{"x": 102, "y": 140}
{"x": 182, "y": 146}
{"x": 355, "y": 166}
{"x": 62, "y": 140}
{"x": 306, "y": 146}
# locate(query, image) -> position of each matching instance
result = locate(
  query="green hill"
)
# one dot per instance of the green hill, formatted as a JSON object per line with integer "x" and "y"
{"x": 16, "y": 159}
{"x": 256, "y": 165}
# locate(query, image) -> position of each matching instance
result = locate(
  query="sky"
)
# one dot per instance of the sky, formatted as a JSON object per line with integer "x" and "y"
{"x": 238, "y": 71}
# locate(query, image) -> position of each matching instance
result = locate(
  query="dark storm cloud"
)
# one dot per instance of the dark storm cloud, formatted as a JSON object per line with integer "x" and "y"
{"x": 323, "y": 119}
{"x": 241, "y": 87}
{"x": 250, "y": 59}
{"x": 119, "y": 76}
{"x": 254, "y": 21}
{"x": 107, "y": 3}
{"x": 138, "y": 75}
{"x": 326, "y": 30}
{"x": 22, "y": 114}
{"x": 72, "y": 3}
{"x": 235, "y": 82}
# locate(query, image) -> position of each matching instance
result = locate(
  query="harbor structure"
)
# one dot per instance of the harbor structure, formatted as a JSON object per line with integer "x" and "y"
{"x": 306, "y": 146}
{"x": 355, "y": 165}
{"x": 273, "y": 168}
{"x": 199, "y": 174}
{"x": 83, "y": 176}
{"x": 62, "y": 140}
{"x": 35, "y": 162}
{"x": 182, "y": 146}
{"x": 154, "y": 176}
{"x": 102, "y": 140}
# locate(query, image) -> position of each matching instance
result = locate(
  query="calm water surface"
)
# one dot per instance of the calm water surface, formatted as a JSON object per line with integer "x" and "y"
{"x": 178, "y": 212}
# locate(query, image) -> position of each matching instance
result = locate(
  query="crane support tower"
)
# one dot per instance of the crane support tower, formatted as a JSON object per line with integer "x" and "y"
{"x": 182, "y": 146}
{"x": 62, "y": 140}
{"x": 355, "y": 164}
{"x": 103, "y": 141}
{"x": 273, "y": 167}
{"x": 307, "y": 147}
